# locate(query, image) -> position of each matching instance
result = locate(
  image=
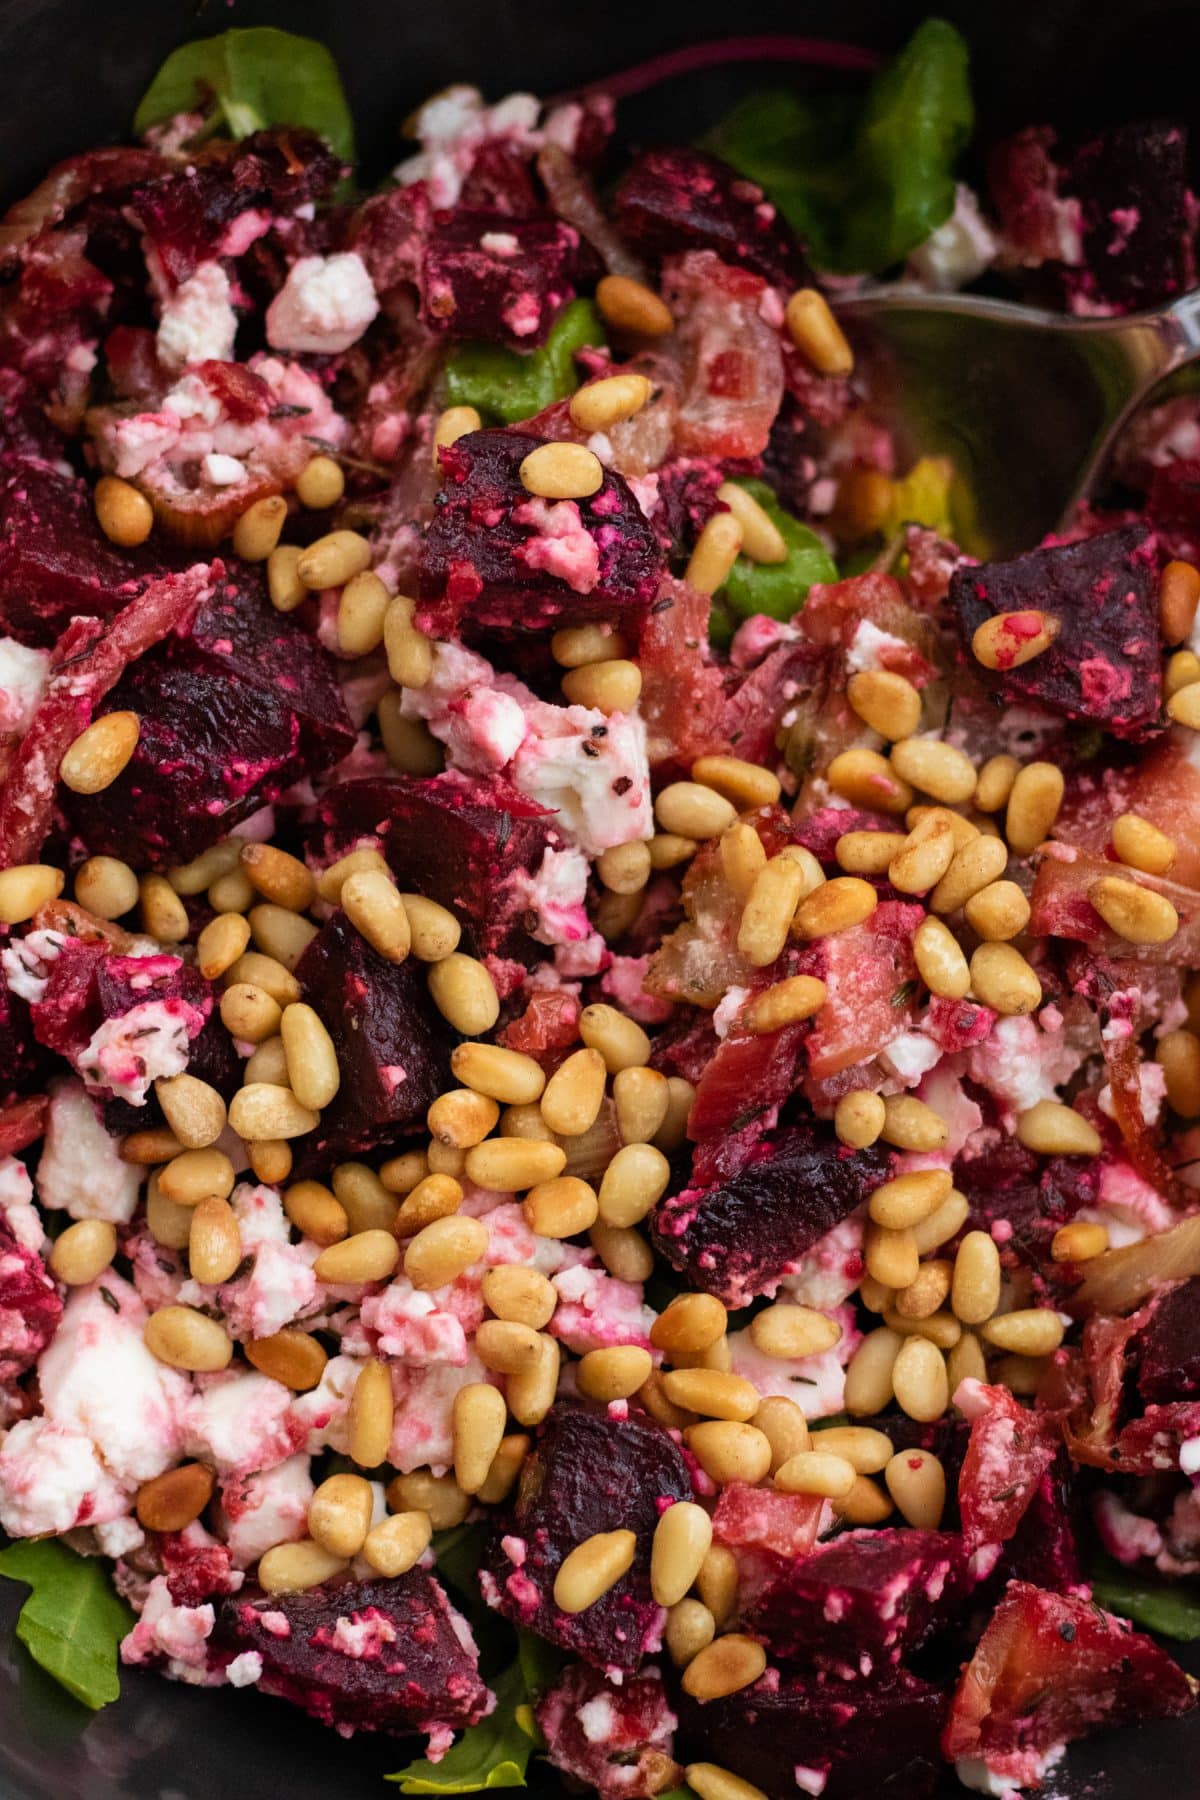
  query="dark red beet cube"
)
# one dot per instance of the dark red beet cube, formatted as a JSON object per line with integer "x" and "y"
{"x": 882, "y": 1593}
{"x": 1137, "y": 216}
{"x": 29, "y": 1306}
{"x": 587, "y": 1473}
{"x": 1050, "y": 1668}
{"x": 497, "y": 279}
{"x": 739, "y": 1238}
{"x": 195, "y": 1572}
{"x": 631, "y": 1759}
{"x": 393, "y": 1047}
{"x": 21, "y": 1059}
{"x": 1104, "y": 668}
{"x": 848, "y": 1739}
{"x": 373, "y": 1655}
{"x": 685, "y": 199}
{"x": 497, "y": 559}
{"x": 1045, "y": 1547}
{"x": 1170, "y": 1348}
{"x": 1010, "y": 1450}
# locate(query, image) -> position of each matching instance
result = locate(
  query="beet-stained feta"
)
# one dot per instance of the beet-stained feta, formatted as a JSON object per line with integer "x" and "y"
{"x": 30, "y": 1308}
{"x": 325, "y": 305}
{"x": 616, "y": 1739}
{"x": 80, "y": 1170}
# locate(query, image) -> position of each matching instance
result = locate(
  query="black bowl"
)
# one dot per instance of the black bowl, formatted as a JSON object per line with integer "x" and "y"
{"x": 75, "y": 71}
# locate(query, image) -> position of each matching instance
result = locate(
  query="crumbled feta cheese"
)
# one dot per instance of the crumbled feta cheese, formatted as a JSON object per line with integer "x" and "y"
{"x": 598, "y": 1718}
{"x": 24, "y": 673}
{"x": 1152, "y": 1082}
{"x": 555, "y": 895}
{"x": 596, "y": 1310}
{"x": 222, "y": 471}
{"x": 453, "y": 125}
{"x": 180, "y": 1633}
{"x": 959, "y": 250}
{"x": 562, "y": 544}
{"x": 198, "y": 323}
{"x": 80, "y": 1171}
{"x": 278, "y": 1286}
{"x": 727, "y": 1010}
{"x": 266, "y": 1508}
{"x": 865, "y": 647}
{"x": 816, "y": 1383}
{"x": 245, "y": 1669}
{"x": 590, "y": 769}
{"x": 119, "y": 1537}
{"x": 1020, "y": 1064}
{"x": 26, "y": 963}
{"x": 325, "y": 305}
{"x": 241, "y": 1422}
{"x": 829, "y": 1272}
{"x": 423, "y": 1432}
{"x": 16, "y": 1204}
{"x": 413, "y": 1327}
{"x": 52, "y": 1479}
{"x": 910, "y": 1056}
{"x": 127, "y": 1053}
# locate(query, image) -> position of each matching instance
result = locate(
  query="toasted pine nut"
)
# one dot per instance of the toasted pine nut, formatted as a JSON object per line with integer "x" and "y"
{"x": 916, "y": 1481}
{"x": 613, "y": 1374}
{"x": 890, "y": 1255}
{"x": 965, "y": 1361}
{"x": 1002, "y": 979}
{"x": 869, "y": 780}
{"x": 1079, "y": 1241}
{"x": 409, "y": 745}
{"x": 620, "y": 1040}
{"x": 631, "y": 306}
{"x": 1031, "y": 1331}
{"x": 717, "y": 1583}
{"x": 592, "y": 1568}
{"x": 816, "y": 333}
{"x": 505, "y": 1075}
{"x": 339, "y": 1514}
{"x": 666, "y": 850}
{"x": 875, "y": 1296}
{"x": 375, "y": 909}
{"x": 123, "y": 513}
{"x": 888, "y": 703}
{"x": 106, "y": 886}
{"x": 478, "y": 1426}
{"x": 975, "y": 1290}
{"x": 742, "y": 858}
{"x": 562, "y": 471}
{"x": 767, "y": 916}
{"x": 194, "y": 1110}
{"x": 673, "y": 1130}
{"x": 784, "y": 1003}
{"x": 975, "y": 866}
{"x": 816, "y": 1471}
{"x": 940, "y": 960}
{"x": 729, "y": 1451}
{"x": 196, "y": 1175}
{"x": 453, "y": 423}
{"x": 642, "y": 1097}
{"x": 367, "y": 1256}
{"x": 464, "y": 994}
{"x": 333, "y": 560}
{"x": 712, "y": 1393}
{"x": 214, "y": 1243}
{"x": 909, "y": 1198}
{"x": 280, "y": 933}
{"x": 312, "y": 1209}
{"x": 634, "y": 1180}
{"x": 788, "y": 1331}
{"x": 186, "y": 1339}
{"x": 867, "y": 1451}
{"x": 1138, "y": 843}
{"x": 625, "y": 869}
{"x": 576, "y": 645}
{"x": 1184, "y": 704}
{"x": 526, "y": 1122}
{"x": 397, "y": 1543}
{"x": 369, "y": 1206}
{"x": 83, "y": 1251}
{"x": 264, "y": 972}
{"x": 1178, "y": 597}
{"x": 221, "y": 943}
{"x": 919, "y": 1380}
{"x": 714, "y": 554}
{"x": 727, "y": 1665}
{"x": 998, "y": 912}
{"x": 362, "y": 610}
{"x": 682, "y": 1540}
{"x": 1008, "y": 640}
{"x": 97, "y": 756}
{"x": 692, "y": 1322}
{"x": 690, "y": 1626}
{"x": 172, "y": 1501}
{"x": 762, "y": 540}
{"x": 923, "y": 1297}
{"x": 869, "y": 1373}
{"x": 506, "y": 1466}
{"x": 434, "y": 930}
{"x": 1137, "y": 914}
{"x": 925, "y": 856}
{"x": 859, "y": 1118}
{"x": 911, "y": 1125}
{"x": 995, "y": 783}
{"x": 692, "y": 810}
{"x": 613, "y": 686}
{"x": 512, "y": 1165}
{"x": 294, "y": 1568}
{"x": 262, "y": 1110}
{"x": 312, "y": 1064}
{"x": 507, "y": 1347}
{"x": 286, "y": 589}
{"x": 329, "y": 881}
{"x": 531, "y": 1391}
{"x": 270, "y": 1159}
{"x": 1021, "y": 1374}
{"x": 289, "y": 1356}
{"x": 941, "y": 1328}
{"x": 623, "y": 1251}
{"x": 712, "y": 1782}
{"x": 868, "y": 852}
{"x": 371, "y": 1416}
{"x": 935, "y": 768}
{"x": 561, "y": 1208}
{"x": 437, "y": 1495}
{"x": 743, "y": 784}
{"x": 257, "y": 531}
{"x": 783, "y": 1425}
{"x": 607, "y": 401}
{"x": 519, "y": 1294}
{"x": 444, "y": 1250}
{"x": 865, "y": 1504}
{"x": 1056, "y": 1130}
{"x": 249, "y": 1013}
{"x": 401, "y": 1174}
{"x": 1033, "y": 806}
{"x": 837, "y": 905}
{"x": 462, "y": 1117}
{"x": 320, "y": 483}
{"x": 1179, "y": 1058}
{"x": 164, "y": 915}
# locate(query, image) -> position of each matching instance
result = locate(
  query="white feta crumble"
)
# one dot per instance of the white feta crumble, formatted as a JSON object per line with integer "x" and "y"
{"x": 198, "y": 323}
{"x": 959, "y": 250}
{"x": 863, "y": 650}
{"x": 23, "y": 676}
{"x": 118, "y": 1537}
{"x": 598, "y": 1718}
{"x": 452, "y": 125}
{"x": 52, "y": 1479}
{"x": 555, "y": 894}
{"x": 727, "y": 1010}
{"x": 129, "y": 1052}
{"x": 1189, "y": 1456}
{"x": 324, "y": 306}
{"x": 910, "y": 1056}
{"x": 245, "y": 1669}
{"x": 266, "y": 1508}
{"x": 16, "y": 1204}
{"x": 222, "y": 471}
{"x": 26, "y": 963}
{"x": 80, "y": 1171}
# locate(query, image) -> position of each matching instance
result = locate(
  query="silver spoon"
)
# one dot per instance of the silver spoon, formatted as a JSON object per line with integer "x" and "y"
{"x": 1026, "y": 403}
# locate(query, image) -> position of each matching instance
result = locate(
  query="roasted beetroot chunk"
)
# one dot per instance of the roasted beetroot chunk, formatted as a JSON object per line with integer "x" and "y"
{"x": 496, "y": 559}
{"x": 630, "y": 1759}
{"x": 738, "y": 1239}
{"x": 455, "y": 838}
{"x": 21, "y": 1059}
{"x": 1045, "y": 1547}
{"x": 1050, "y": 1668}
{"x": 846, "y": 1739}
{"x": 495, "y": 279}
{"x": 1010, "y": 1451}
{"x": 29, "y": 1306}
{"x": 392, "y": 1045}
{"x": 587, "y": 1473}
{"x": 1104, "y": 666}
{"x": 882, "y": 1592}
{"x": 373, "y": 1655}
{"x": 685, "y": 199}
{"x": 1169, "y": 1368}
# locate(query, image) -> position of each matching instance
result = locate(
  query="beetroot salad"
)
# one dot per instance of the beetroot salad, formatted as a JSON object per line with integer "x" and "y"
{"x": 600, "y": 1059}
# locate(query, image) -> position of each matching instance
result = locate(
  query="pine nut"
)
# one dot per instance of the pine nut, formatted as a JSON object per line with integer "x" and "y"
{"x": 672, "y": 1133}
{"x": 691, "y": 1323}
{"x": 974, "y": 867}
{"x": 286, "y": 589}
{"x": 478, "y": 1426}
{"x": 169, "y": 1225}
{"x": 1184, "y": 705}
{"x": 408, "y": 744}
{"x": 320, "y": 484}
{"x": 511, "y": 1165}
{"x": 711, "y": 1782}
{"x": 608, "y": 687}
{"x": 312, "y": 1065}
{"x": 375, "y": 909}
{"x": 194, "y": 1110}
{"x": 455, "y": 422}
{"x": 768, "y": 913}
{"x": 1033, "y": 806}
{"x": 444, "y": 1250}
{"x": 998, "y": 912}
{"x": 784, "y": 1426}
{"x": 1079, "y": 1241}
{"x": 106, "y": 887}
{"x": 613, "y": 1374}
{"x": 264, "y": 972}
{"x": 890, "y": 1255}
{"x": 869, "y": 780}
{"x": 1002, "y": 979}
{"x": 690, "y": 1626}
{"x": 462, "y": 1118}
{"x": 164, "y": 915}
{"x": 682, "y": 1540}
{"x": 289, "y": 1356}
{"x": 507, "y": 1347}
{"x": 693, "y": 810}
{"x": 941, "y": 1328}
{"x": 927, "y": 853}
{"x": 576, "y": 645}
{"x": 270, "y": 1159}
{"x": 312, "y": 1209}
{"x": 436, "y": 1196}
{"x": 742, "y": 858}
{"x": 606, "y": 402}
{"x": 919, "y": 1380}
{"x": 268, "y": 1062}
{"x": 281, "y": 934}
{"x": 887, "y": 703}
{"x": 249, "y": 1013}
{"x": 1137, "y": 914}
{"x": 624, "y": 1252}
{"x": 1009, "y": 640}
{"x": 626, "y": 868}
{"x": 504, "y": 1075}
{"x": 718, "y": 1356}
{"x": 519, "y": 1294}
{"x": 464, "y": 994}
{"x": 784, "y": 1003}
{"x": 279, "y": 877}
{"x": 713, "y": 1393}
{"x": 865, "y": 1504}
{"x": 916, "y": 1481}
{"x": 592, "y": 1568}
{"x": 816, "y": 333}
{"x": 717, "y": 1583}
{"x": 630, "y": 306}
{"x": 869, "y": 1373}
{"x": 975, "y": 1290}
{"x": 620, "y": 1040}
{"x": 444, "y": 1159}
{"x": 531, "y": 1392}
{"x": 1021, "y": 1374}
{"x": 927, "y": 1293}
{"x": 368, "y": 1205}
{"x": 98, "y": 755}
{"x": 935, "y": 768}
{"x": 874, "y": 1295}
{"x": 1056, "y": 1130}
{"x": 1137, "y": 842}
{"x": 257, "y": 531}
{"x": 221, "y": 943}
{"x": 214, "y": 1243}
{"x": 654, "y": 1401}
{"x": 641, "y": 1097}
{"x": 911, "y": 1125}
{"x": 859, "y": 1118}
{"x": 1032, "y": 1331}
{"x": 714, "y": 553}
{"x": 788, "y": 1331}
{"x": 196, "y": 1175}
{"x": 83, "y": 1251}
{"x": 172, "y": 1501}
{"x": 435, "y": 932}
{"x": 371, "y": 1415}
{"x": 333, "y": 560}
{"x": 1178, "y": 597}
{"x": 506, "y": 1467}
{"x": 729, "y": 1451}
{"x": 909, "y": 1198}
{"x": 396, "y": 1544}
{"x": 729, "y": 1664}
{"x": 633, "y": 1182}
{"x": 561, "y": 1208}
{"x": 816, "y": 1471}
{"x": 339, "y": 1514}
{"x": 762, "y": 540}
{"x": 367, "y": 1256}
{"x": 868, "y": 852}
{"x": 562, "y": 471}
{"x": 965, "y": 1362}
{"x": 186, "y": 1339}
{"x": 262, "y": 1110}
{"x": 329, "y": 881}
{"x": 837, "y": 905}
{"x": 438, "y": 1496}
{"x": 294, "y": 1568}
{"x": 401, "y": 1174}
{"x": 123, "y": 513}
{"x": 867, "y": 1451}
{"x": 943, "y": 1224}
{"x": 1178, "y": 1056}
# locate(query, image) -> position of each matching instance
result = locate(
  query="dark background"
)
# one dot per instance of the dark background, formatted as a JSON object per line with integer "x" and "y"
{"x": 73, "y": 71}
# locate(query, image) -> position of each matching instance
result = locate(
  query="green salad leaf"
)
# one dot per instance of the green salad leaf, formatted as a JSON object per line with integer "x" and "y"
{"x": 777, "y": 589}
{"x": 1169, "y": 1607}
{"x": 511, "y": 385}
{"x": 72, "y": 1623}
{"x": 493, "y": 1754}
{"x": 251, "y": 79}
{"x": 863, "y": 182}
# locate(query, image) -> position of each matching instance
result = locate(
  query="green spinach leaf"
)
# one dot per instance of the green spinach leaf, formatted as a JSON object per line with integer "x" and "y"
{"x": 493, "y": 1754}
{"x": 72, "y": 1623}
{"x": 511, "y": 385}
{"x": 1169, "y": 1607}
{"x": 778, "y": 589}
{"x": 251, "y": 79}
